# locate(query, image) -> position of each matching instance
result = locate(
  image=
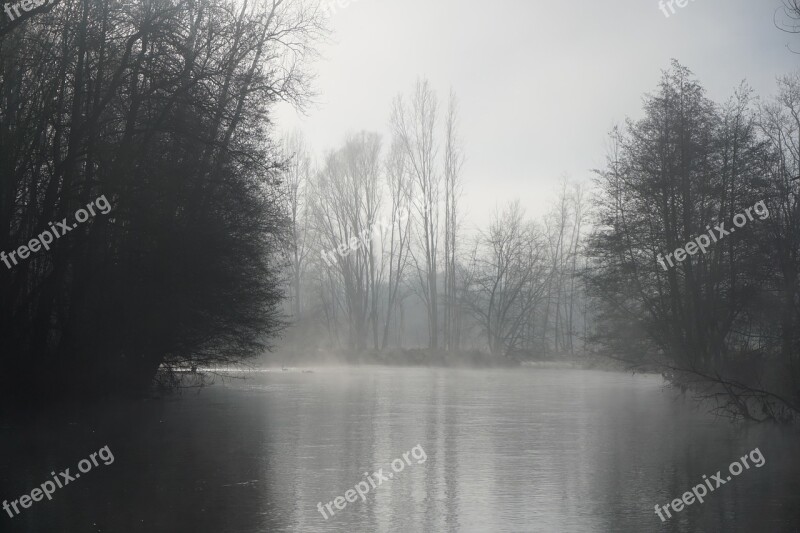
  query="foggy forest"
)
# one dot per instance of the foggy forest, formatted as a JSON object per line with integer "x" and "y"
{"x": 251, "y": 303}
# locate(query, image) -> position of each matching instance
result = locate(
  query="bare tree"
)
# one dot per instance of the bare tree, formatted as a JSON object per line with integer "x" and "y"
{"x": 453, "y": 162}
{"x": 780, "y": 123}
{"x": 399, "y": 241}
{"x": 295, "y": 188}
{"x": 511, "y": 275}
{"x": 415, "y": 128}
{"x": 345, "y": 213}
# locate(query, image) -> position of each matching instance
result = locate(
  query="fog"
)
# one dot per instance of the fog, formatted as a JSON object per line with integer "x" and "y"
{"x": 361, "y": 265}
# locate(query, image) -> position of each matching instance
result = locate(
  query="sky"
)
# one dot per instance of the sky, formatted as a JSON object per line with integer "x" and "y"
{"x": 539, "y": 83}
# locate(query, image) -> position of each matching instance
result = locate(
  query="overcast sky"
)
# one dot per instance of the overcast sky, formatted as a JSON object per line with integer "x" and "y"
{"x": 540, "y": 83}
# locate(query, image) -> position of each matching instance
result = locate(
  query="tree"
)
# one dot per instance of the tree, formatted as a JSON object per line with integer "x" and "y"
{"x": 415, "y": 129}
{"x": 676, "y": 177}
{"x": 780, "y": 241}
{"x": 161, "y": 108}
{"x": 400, "y": 190}
{"x": 510, "y": 279}
{"x": 453, "y": 162}
{"x": 296, "y": 182}
{"x": 346, "y": 215}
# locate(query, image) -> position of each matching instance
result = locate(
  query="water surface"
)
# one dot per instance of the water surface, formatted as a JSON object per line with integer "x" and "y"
{"x": 524, "y": 450}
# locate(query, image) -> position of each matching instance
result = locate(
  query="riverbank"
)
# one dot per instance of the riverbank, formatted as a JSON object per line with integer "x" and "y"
{"x": 430, "y": 358}
{"x": 389, "y": 357}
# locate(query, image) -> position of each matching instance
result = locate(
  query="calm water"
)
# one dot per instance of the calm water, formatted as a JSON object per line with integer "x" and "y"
{"x": 507, "y": 450}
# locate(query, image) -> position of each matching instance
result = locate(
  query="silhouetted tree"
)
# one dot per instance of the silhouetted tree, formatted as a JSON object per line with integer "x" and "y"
{"x": 161, "y": 106}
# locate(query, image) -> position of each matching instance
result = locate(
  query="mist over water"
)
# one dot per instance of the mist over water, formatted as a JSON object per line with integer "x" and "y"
{"x": 399, "y": 266}
{"x": 507, "y": 450}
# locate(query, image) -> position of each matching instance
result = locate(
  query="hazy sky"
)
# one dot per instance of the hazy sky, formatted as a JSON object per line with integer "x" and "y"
{"x": 540, "y": 83}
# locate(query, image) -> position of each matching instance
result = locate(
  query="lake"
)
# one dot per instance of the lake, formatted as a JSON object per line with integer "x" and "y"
{"x": 524, "y": 449}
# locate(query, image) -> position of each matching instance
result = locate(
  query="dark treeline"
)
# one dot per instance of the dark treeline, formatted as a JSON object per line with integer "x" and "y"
{"x": 724, "y": 323}
{"x": 160, "y": 106}
{"x": 720, "y": 318}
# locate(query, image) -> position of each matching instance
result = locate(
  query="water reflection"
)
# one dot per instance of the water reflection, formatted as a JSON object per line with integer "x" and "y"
{"x": 508, "y": 450}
